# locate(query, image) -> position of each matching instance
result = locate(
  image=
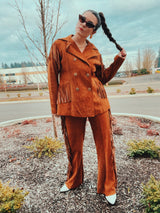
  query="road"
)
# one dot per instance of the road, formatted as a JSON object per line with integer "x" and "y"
{"x": 146, "y": 105}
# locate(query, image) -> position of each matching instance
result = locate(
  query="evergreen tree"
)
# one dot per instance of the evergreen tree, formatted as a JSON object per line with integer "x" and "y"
{"x": 158, "y": 59}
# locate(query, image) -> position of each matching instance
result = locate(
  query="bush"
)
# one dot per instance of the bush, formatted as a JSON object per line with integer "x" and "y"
{"x": 29, "y": 94}
{"x": 11, "y": 199}
{"x": 18, "y": 95}
{"x": 132, "y": 91}
{"x": 151, "y": 193}
{"x": 150, "y": 90}
{"x": 118, "y": 90}
{"x": 144, "y": 148}
{"x": 144, "y": 72}
{"x": 45, "y": 147}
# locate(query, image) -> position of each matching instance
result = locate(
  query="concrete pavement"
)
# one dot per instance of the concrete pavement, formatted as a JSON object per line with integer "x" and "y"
{"x": 139, "y": 104}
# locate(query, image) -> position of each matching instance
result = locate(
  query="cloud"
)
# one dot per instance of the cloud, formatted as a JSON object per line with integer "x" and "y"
{"x": 128, "y": 6}
{"x": 133, "y": 23}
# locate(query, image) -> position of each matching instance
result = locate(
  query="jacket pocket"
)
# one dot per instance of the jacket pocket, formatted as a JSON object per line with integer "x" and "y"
{"x": 100, "y": 90}
{"x": 64, "y": 93}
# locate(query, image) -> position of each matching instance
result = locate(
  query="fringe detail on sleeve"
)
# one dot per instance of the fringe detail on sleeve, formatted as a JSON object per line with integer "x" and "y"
{"x": 100, "y": 90}
{"x": 64, "y": 94}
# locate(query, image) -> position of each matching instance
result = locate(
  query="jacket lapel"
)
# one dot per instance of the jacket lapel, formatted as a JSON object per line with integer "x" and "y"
{"x": 90, "y": 52}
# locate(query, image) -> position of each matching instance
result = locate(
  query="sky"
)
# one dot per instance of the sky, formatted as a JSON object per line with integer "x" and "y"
{"x": 135, "y": 24}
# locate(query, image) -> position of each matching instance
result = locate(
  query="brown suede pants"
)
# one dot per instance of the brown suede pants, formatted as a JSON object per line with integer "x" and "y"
{"x": 74, "y": 130}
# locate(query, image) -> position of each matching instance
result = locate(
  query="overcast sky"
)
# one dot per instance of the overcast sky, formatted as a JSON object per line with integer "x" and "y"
{"x": 135, "y": 24}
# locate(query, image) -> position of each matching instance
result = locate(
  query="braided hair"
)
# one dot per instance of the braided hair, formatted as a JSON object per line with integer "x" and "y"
{"x": 101, "y": 21}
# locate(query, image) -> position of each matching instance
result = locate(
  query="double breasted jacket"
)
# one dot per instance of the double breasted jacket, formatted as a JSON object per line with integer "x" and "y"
{"x": 76, "y": 79}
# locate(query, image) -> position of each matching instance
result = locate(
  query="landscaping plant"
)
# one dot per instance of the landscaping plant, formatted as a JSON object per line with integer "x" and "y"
{"x": 11, "y": 199}
{"x": 143, "y": 148}
{"x": 151, "y": 195}
{"x": 118, "y": 90}
{"x": 45, "y": 146}
{"x": 132, "y": 91}
{"x": 150, "y": 90}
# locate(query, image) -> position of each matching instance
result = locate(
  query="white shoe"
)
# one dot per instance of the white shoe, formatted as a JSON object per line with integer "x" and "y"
{"x": 111, "y": 199}
{"x": 64, "y": 188}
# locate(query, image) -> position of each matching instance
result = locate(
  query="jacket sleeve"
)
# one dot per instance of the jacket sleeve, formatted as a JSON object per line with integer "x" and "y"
{"x": 109, "y": 73}
{"x": 53, "y": 70}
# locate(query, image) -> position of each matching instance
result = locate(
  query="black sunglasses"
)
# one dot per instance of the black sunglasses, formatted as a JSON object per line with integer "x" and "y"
{"x": 89, "y": 24}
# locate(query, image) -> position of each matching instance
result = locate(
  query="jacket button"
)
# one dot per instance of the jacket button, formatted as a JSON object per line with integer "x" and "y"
{"x": 77, "y": 89}
{"x": 87, "y": 74}
{"x": 89, "y": 89}
{"x": 75, "y": 74}
{"x": 74, "y": 59}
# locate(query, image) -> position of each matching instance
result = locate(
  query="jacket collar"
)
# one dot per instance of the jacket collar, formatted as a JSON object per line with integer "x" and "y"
{"x": 71, "y": 47}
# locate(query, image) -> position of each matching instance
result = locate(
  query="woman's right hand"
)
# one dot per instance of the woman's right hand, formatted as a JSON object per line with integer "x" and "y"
{"x": 122, "y": 53}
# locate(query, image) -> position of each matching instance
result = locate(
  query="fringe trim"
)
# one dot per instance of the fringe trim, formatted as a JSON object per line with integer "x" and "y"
{"x": 100, "y": 90}
{"x": 68, "y": 148}
{"x": 64, "y": 94}
{"x": 112, "y": 145}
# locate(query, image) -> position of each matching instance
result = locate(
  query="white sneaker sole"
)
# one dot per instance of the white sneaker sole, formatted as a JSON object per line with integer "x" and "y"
{"x": 64, "y": 188}
{"x": 111, "y": 199}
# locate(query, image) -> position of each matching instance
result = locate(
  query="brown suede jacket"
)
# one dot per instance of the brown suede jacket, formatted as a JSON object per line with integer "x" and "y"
{"x": 76, "y": 79}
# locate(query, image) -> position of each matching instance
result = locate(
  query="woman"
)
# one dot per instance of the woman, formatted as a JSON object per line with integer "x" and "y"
{"x": 76, "y": 76}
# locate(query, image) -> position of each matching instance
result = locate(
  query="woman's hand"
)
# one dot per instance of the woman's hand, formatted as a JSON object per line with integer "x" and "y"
{"x": 123, "y": 53}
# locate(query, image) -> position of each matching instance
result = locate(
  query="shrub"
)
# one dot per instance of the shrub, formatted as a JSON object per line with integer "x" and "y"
{"x": 11, "y": 199}
{"x": 132, "y": 91}
{"x": 144, "y": 72}
{"x": 150, "y": 90}
{"x": 151, "y": 195}
{"x": 118, "y": 90}
{"x": 18, "y": 95}
{"x": 45, "y": 147}
{"x": 144, "y": 148}
{"x": 29, "y": 94}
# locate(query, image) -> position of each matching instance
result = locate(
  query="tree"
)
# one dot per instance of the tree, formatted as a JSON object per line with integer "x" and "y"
{"x": 128, "y": 68}
{"x": 138, "y": 62}
{"x": 157, "y": 61}
{"x": 1, "y": 80}
{"x": 148, "y": 59}
{"x": 48, "y": 26}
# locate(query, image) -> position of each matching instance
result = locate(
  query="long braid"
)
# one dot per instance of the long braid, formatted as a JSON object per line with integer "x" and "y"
{"x": 107, "y": 31}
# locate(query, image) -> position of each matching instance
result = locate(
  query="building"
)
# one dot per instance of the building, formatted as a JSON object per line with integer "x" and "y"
{"x": 24, "y": 75}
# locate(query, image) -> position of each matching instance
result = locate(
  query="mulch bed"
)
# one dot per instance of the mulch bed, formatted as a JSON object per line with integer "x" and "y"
{"x": 44, "y": 177}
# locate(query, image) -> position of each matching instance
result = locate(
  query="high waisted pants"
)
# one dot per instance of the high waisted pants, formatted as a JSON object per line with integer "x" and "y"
{"x": 74, "y": 130}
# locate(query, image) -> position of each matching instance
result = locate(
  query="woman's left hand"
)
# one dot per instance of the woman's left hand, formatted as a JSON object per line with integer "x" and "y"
{"x": 123, "y": 53}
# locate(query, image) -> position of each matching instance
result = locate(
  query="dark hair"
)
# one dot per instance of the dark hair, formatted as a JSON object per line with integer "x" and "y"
{"x": 101, "y": 21}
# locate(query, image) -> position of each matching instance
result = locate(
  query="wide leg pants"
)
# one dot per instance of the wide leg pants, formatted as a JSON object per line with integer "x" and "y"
{"x": 74, "y": 130}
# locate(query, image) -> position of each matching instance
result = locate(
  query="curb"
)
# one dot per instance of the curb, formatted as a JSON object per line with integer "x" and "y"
{"x": 16, "y": 121}
{"x": 134, "y": 95}
{"x": 25, "y": 101}
{"x": 149, "y": 117}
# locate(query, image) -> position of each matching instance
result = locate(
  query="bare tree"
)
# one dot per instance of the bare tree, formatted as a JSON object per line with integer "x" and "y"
{"x": 48, "y": 26}
{"x": 128, "y": 68}
{"x": 138, "y": 61}
{"x": 148, "y": 59}
{"x": 157, "y": 61}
